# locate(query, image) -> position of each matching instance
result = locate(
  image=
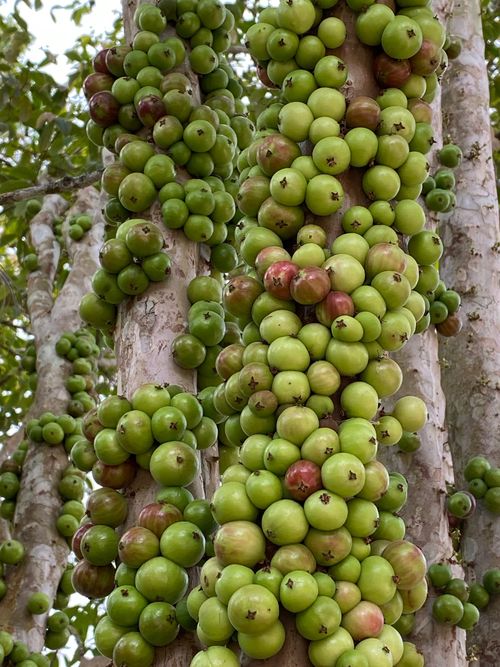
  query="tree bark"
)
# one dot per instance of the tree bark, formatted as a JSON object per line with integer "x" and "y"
{"x": 471, "y": 265}
{"x": 430, "y": 469}
{"x": 38, "y": 501}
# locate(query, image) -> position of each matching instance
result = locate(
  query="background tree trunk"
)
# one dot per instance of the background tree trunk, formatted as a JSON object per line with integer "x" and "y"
{"x": 471, "y": 265}
{"x": 38, "y": 501}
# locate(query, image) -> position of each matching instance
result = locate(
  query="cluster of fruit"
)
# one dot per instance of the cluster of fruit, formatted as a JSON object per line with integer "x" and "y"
{"x": 307, "y": 515}
{"x": 202, "y": 209}
{"x": 458, "y": 603}
{"x": 17, "y": 653}
{"x": 81, "y": 349}
{"x": 134, "y": 88}
{"x": 161, "y": 428}
{"x": 71, "y": 487}
{"x": 484, "y": 482}
{"x": 444, "y": 304}
{"x": 439, "y": 189}
{"x": 52, "y": 430}
{"x": 149, "y": 117}
{"x": 208, "y": 330}
{"x": 130, "y": 261}
{"x": 10, "y": 473}
{"x": 79, "y": 225}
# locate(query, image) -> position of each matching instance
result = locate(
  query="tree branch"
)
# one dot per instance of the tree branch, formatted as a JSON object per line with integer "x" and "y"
{"x": 237, "y": 48}
{"x": 40, "y": 282}
{"x": 64, "y": 184}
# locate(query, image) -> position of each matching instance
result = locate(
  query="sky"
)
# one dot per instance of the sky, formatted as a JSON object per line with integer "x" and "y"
{"x": 60, "y": 36}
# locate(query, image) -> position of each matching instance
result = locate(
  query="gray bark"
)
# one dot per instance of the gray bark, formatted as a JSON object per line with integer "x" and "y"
{"x": 471, "y": 265}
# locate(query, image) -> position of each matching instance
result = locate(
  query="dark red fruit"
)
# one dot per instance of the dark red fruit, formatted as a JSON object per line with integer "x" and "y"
{"x": 278, "y": 277}
{"x": 302, "y": 479}
{"x": 99, "y": 62}
{"x": 96, "y": 82}
{"x": 103, "y": 108}
{"x": 391, "y": 73}
{"x": 150, "y": 109}
{"x": 77, "y": 539}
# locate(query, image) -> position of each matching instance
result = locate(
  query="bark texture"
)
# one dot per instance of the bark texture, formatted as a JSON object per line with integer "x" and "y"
{"x": 430, "y": 469}
{"x": 38, "y": 501}
{"x": 471, "y": 265}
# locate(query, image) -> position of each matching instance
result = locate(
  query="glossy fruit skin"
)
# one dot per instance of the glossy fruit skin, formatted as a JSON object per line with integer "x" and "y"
{"x": 93, "y": 581}
{"x": 447, "y": 609}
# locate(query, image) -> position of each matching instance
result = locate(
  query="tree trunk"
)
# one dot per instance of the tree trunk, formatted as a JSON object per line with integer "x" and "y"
{"x": 146, "y": 327}
{"x": 471, "y": 265}
{"x": 430, "y": 469}
{"x": 38, "y": 501}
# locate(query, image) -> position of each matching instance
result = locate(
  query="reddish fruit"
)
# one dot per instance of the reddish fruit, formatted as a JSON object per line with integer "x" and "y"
{"x": 391, "y": 73}
{"x": 157, "y": 517}
{"x": 278, "y": 278}
{"x": 93, "y": 581}
{"x": 268, "y": 256}
{"x": 264, "y": 77}
{"x": 427, "y": 59}
{"x": 450, "y": 327}
{"x": 302, "y": 479}
{"x": 77, "y": 539}
{"x": 276, "y": 152}
{"x": 239, "y": 295}
{"x": 365, "y": 620}
{"x": 150, "y": 109}
{"x": 310, "y": 285}
{"x": 99, "y": 62}
{"x": 334, "y": 304}
{"x": 104, "y": 108}
{"x": 363, "y": 112}
{"x": 407, "y": 561}
{"x": 96, "y": 82}
{"x": 137, "y": 545}
{"x": 115, "y": 477}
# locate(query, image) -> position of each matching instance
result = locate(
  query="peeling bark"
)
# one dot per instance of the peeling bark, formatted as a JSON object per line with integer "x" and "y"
{"x": 471, "y": 265}
{"x": 38, "y": 501}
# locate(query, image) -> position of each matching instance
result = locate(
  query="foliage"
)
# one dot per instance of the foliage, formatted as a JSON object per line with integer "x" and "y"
{"x": 42, "y": 136}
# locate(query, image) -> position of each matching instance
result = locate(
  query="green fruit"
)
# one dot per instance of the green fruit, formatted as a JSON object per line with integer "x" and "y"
{"x": 491, "y": 581}
{"x": 38, "y": 603}
{"x": 439, "y": 575}
{"x": 450, "y": 155}
{"x": 447, "y": 609}
{"x": 458, "y": 588}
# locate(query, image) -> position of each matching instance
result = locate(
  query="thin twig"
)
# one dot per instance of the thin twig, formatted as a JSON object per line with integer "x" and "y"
{"x": 64, "y": 184}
